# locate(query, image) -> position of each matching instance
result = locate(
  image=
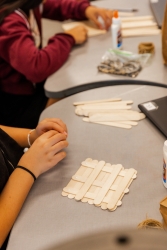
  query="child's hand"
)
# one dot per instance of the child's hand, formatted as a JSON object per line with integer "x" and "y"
{"x": 46, "y": 125}
{"x": 93, "y": 13}
{"x": 79, "y": 34}
{"x": 45, "y": 152}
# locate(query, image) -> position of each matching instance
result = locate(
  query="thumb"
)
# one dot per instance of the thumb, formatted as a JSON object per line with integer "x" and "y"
{"x": 96, "y": 20}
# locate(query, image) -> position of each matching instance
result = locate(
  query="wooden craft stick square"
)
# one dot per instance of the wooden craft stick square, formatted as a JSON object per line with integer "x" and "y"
{"x": 100, "y": 183}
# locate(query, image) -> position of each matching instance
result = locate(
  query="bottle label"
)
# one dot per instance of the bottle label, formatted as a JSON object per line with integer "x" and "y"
{"x": 164, "y": 171}
{"x": 119, "y": 39}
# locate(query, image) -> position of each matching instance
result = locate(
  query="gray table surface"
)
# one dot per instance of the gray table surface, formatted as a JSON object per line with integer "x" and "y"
{"x": 81, "y": 67}
{"x": 48, "y": 219}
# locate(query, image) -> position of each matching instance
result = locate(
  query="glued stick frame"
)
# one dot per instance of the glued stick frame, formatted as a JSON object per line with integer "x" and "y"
{"x": 104, "y": 186}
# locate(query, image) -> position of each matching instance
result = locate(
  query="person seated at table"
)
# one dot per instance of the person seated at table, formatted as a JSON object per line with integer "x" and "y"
{"x": 19, "y": 170}
{"x": 24, "y": 64}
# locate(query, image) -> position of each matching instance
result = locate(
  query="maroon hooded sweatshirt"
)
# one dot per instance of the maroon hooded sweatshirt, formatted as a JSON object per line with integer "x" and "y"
{"x": 22, "y": 64}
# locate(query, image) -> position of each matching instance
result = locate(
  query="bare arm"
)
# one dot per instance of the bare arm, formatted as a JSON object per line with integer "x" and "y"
{"x": 45, "y": 153}
{"x": 12, "y": 199}
{"x": 20, "y": 134}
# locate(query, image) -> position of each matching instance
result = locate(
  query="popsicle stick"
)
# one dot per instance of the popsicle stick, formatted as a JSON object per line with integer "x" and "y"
{"x": 72, "y": 191}
{"x": 104, "y": 206}
{"x": 74, "y": 186}
{"x": 64, "y": 194}
{"x": 108, "y": 196}
{"x": 90, "y": 112}
{"x": 79, "y": 178}
{"x": 108, "y": 183}
{"x": 91, "y": 31}
{"x": 128, "y": 111}
{"x": 115, "y": 198}
{"x": 139, "y": 24}
{"x": 136, "y": 18}
{"x": 90, "y": 195}
{"x": 106, "y": 103}
{"x": 142, "y": 116}
{"x": 128, "y": 122}
{"x": 71, "y": 196}
{"x": 82, "y": 174}
{"x": 90, "y": 201}
{"x": 113, "y": 124}
{"x": 116, "y": 124}
{"x": 90, "y": 180}
{"x": 114, "y": 117}
{"x": 90, "y": 164}
{"x": 79, "y": 111}
{"x": 108, "y": 168}
{"x": 107, "y": 106}
{"x": 84, "y": 200}
{"x": 117, "y": 111}
{"x": 140, "y": 32}
{"x": 97, "y": 101}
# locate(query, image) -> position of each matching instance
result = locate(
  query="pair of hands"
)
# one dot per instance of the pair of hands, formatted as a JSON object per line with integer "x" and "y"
{"x": 48, "y": 140}
{"x": 94, "y": 14}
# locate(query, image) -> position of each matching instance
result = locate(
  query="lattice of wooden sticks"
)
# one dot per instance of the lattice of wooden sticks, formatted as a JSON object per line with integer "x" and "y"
{"x": 100, "y": 183}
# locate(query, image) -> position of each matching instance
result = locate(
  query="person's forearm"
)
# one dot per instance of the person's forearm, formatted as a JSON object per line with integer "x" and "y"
{"x": 65, "y": 9}
{"x": 12, "y": 199}
{"x": 21, "y": 53}
{"x": 18, "y": 134}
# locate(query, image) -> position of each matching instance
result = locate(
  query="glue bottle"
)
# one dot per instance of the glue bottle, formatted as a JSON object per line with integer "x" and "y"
{"x": 164, "y": 177}
{"x": 116, "y": 31}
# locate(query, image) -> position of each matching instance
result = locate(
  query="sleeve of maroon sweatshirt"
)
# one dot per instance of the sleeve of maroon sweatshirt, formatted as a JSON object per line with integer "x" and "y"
{"x": 65, "y": 9}
{"x": 17, "y": 48}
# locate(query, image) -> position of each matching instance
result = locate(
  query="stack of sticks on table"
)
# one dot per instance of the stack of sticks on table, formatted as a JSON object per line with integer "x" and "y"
{"x": 131, "y": 26}
{"x": 111, "y": 112}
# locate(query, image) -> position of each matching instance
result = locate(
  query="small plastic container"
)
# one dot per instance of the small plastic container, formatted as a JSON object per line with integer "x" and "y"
{"x": 164, "y": 177}
{"x": 116, "y": 31}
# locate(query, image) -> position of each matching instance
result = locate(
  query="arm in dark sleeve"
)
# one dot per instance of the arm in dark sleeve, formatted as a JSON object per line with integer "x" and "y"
{"x": 65, "y": 9}
{"x": 18, "y": 49}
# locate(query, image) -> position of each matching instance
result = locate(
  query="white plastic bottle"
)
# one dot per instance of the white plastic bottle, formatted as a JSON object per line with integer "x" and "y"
{"x": 116, "y": 31}
{"x": 164, "y": 178}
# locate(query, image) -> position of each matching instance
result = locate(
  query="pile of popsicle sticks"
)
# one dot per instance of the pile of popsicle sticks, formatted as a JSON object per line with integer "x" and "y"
{"x": 131, "y": 26}
{"x": 112, "y": 112}
{"x": 139, "y": 26}
{"x": 100, "y": 183}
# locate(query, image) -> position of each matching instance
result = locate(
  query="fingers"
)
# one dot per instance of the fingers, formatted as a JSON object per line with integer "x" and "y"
{"x": 53, "y": 142}
{"x": 53, "y": 121}
{"x": 107, "y": 18}
{"x": 82, "y": 35}
{"x": 104, "y": 19}
{"x": 58, "y": 157}
{"x": 101, "y": 17}
{"x": 50, "y": 124}
{"x": 50, "y": 137}
{"x": 58, "y": 147}
{"x": 53, "y": 139}
{"x": 45, "y": 153}
{"x": 79, "y": 33}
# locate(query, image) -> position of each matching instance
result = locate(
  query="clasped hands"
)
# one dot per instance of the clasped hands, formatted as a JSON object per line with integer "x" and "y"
{"x": 48, "y": 140}
{"x": 92, "y": 13}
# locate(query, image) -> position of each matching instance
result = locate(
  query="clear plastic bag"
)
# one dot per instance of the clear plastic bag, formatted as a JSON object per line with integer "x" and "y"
{"x": 121, "y": 62}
